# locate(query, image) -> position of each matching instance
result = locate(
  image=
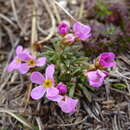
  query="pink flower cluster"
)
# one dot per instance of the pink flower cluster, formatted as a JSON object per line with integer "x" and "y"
{"x": 24, "y": 61}
{"x": 47, "y": 88}
{"x": 96, "y": 77}
{"x": 79, "y": 31}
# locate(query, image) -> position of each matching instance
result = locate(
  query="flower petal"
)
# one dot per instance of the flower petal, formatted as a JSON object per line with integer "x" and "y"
{"x": 37, "y": 77}
{"x": 81, "y": 31}
{"x": 26, "y": 51}
{"x": 79, "y": 27}
{"x": 96, "y": 78}
{"x": 96, "y": 84}
{"x": 85, "y": 36}
{"x": 103, "y": 74}
{"x": 24, "y": 57}
{"x": 92, "y": 75}
{"x": 19, "y": 49}
{"x": 113, "y": 64}
{"x": 41, "y": 61}
{"x": 52, "y": 92}
{"x": 38, "y": 92}
{"x": 50, "y": 71}
{"x": 13, "y": 65}
{"x": 24, "y": 68}
{"x": 107, "y": 59}
{"x": 68, "y": 105}
{"x": 57, "y": 98}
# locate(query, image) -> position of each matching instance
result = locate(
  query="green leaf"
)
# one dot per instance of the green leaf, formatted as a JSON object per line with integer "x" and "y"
{"x": 76, "y": 71}
{"x": 36, "y": 128}
{"x": 86, "y": 93}
{"x": 110, "y": 30}
{"x": 91, "y": 88}
{"x": 102, "y": 8}
{"x": 119, "y": 85}
{"x": 71, "y": 91}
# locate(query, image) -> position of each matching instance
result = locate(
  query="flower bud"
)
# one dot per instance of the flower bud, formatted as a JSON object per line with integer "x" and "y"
{"x": 62, "y": 88}
{"x": 106, "y": 60}
{"x": 63, "y": 29}
{"x": 69, "y": 39}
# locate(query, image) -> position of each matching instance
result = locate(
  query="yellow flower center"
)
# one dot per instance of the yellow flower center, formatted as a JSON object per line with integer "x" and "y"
{"x": 47, "y": 84}
{"x": 18, "y": 60}
{"x": 31, "y": 62}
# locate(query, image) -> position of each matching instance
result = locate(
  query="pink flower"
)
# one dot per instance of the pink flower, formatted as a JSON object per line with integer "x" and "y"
{"x": 62, "y": 88}
{"x": 30, "y": 62}
{"x": 23, "y": 61}
{"x": 82, "y": 31}
{"x": 46, "y": 84}
{"x": 63, "y": 28}
{"x": 67, "y": 104}
{"x": 17, "y": 61}
{"x": 69, "y": 38}
{"x": 106, "y": 59}
{"x": 96, "y": 78}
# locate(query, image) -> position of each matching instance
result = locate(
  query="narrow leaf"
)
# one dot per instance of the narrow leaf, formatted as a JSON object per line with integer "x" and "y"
{"x": 71, "y": 91}
{"x": 86, "y": 93}
{"x": 119, "y": 85}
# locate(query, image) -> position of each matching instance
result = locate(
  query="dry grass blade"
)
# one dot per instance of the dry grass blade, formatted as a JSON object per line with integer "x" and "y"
{"x": 120, "y": 91}
{"x": 65, "y": 10}
{"x": 8, "y": 20}
{"x": 91, "y": 114}
{"x": 13, "y": 5}
{"x": 20, "y": 119}
{"x": 75, "y": 123}
{"x": 8, "y": 60}
{"x": 27, "y": 96}
{"x": 81, "y": 9}
{"x": 39, "y": 123}
{"x": 52, "y": 20}
{"x": 34, "y": 35}
{"x": 56, "y": 13}
{"x": 107, "y": 87}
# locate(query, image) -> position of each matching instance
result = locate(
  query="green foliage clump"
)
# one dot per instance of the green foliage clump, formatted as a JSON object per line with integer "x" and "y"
{"x": 102, "y": 9}
{"x": 70, "y": 62}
